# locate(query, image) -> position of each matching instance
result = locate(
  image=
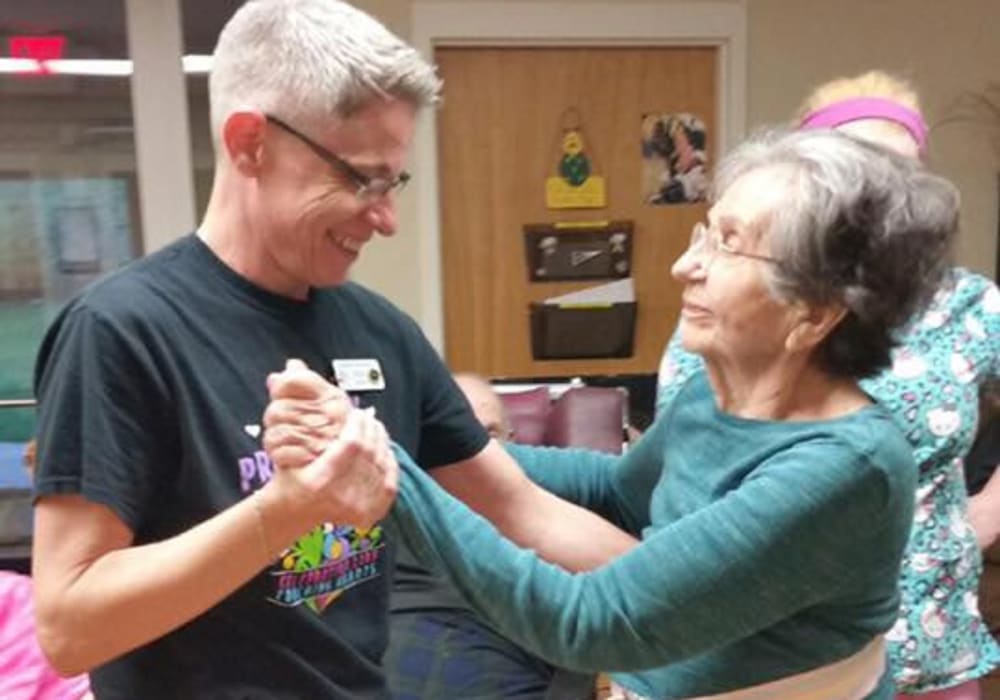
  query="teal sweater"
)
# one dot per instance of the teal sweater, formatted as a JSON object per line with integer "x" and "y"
{"x": 768, "y": 549}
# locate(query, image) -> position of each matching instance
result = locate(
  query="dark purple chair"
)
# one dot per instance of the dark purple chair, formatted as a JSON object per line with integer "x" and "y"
{"x": 527, "y": 413}
{"x": 583, "y": 416}
{"x": 588, "y": 416}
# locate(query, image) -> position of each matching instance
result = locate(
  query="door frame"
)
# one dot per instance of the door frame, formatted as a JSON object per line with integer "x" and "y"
{"x": 612, "y": 23}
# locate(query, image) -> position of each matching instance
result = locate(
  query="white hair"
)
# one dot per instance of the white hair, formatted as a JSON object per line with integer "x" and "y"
{"x": 310, "y": 60}
{"x": 858, "y": 225}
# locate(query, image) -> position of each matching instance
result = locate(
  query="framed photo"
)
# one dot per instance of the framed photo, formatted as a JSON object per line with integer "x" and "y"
{"x": 78, "y": 241}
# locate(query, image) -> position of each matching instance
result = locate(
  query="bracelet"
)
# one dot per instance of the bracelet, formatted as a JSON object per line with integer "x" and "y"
{"x": 258, "y": 508}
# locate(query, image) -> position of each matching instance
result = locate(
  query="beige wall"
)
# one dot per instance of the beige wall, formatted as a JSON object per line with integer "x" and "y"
{"x": 946, "y": 48}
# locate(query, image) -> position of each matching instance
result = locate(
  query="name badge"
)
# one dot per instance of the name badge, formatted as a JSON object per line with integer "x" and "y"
{"x": 359, "y": 375}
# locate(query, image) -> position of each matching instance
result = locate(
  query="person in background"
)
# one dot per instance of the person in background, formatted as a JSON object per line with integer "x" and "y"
{"x": 438, "y": 646}
{"x": 486, "y": 404}
{"x": 173, "y": 557}
{"x": 772, "y": 496}
{"x": 940, "y": 646}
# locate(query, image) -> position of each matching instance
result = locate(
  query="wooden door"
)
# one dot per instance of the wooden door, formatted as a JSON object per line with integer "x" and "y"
{"x": 499, "y": 135}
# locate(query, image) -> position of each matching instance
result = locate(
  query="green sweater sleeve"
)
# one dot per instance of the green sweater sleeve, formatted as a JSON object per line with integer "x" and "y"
{"x": 615, "y": 487}
{"x": 579, "y": 476}
{"x": 779, "y": 543}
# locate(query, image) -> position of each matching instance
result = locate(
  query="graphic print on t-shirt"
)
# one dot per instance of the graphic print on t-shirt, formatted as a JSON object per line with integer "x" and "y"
{"x": 324, "y": 562}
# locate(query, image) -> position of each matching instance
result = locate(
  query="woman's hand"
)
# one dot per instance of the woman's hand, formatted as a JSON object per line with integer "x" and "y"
{"x": 305, "y": 414}
{"x": 330, "y": 459}
{"x": 354, "y": 481}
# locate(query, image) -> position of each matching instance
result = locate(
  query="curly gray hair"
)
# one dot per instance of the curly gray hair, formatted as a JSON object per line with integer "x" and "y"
{"x": 309, "y": 60}
{"x": 861, "y": 227}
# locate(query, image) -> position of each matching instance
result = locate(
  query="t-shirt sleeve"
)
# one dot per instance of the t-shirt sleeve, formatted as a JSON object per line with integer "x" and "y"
{"x": 776, "y": 545}
{"x": 449, "y": 430}
{"x": 104, "y": 430}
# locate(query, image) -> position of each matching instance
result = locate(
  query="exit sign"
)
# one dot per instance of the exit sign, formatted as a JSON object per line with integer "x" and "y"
{"x": 37, "y": 48}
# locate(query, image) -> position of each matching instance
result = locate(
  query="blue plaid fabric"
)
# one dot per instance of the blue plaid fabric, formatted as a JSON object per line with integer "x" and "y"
{"x": 448, "y": 655}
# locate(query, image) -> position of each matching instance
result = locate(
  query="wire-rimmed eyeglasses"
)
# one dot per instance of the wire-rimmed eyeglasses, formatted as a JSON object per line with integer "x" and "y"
{"x": 712, "y": 241}
{"x": 369, "y": 188}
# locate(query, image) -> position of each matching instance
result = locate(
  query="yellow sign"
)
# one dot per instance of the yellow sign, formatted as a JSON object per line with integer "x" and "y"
{"x": 559, "y": 194}
{"x": 575, "y": 187}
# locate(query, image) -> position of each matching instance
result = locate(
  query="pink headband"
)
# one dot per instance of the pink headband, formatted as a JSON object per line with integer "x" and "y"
{"x": 858, "y": 108}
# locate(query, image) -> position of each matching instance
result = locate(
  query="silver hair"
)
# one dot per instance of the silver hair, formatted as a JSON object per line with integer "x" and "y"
{"x": 310, "y": 60}
{"x": 859, "y": 226}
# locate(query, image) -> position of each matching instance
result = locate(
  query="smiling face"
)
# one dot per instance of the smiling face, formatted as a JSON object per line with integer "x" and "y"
{"x": 729, "y": 314}
{"x": 312, "y": 224}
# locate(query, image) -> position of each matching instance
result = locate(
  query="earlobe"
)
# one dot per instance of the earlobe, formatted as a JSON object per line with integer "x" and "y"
{"x": 812, "y": 325}
{"x": 243, "y": 141}
{"x": 793, "y": 341}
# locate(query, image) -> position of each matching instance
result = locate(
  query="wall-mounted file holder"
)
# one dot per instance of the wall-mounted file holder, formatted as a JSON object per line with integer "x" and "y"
{"x": 578, "y": 250}
{"x": 578, "y": 331}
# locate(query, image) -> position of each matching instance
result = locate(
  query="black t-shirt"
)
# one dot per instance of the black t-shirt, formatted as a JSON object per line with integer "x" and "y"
{"x": 151, "y": 390}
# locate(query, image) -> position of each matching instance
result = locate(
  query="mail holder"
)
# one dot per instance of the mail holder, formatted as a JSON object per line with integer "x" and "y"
{"x": 578, "y": 250}
{"x": 582, "y": 331}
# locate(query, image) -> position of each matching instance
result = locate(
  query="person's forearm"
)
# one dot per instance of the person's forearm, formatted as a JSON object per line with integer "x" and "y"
{"x": 134, "y": 595}
{"x": 579, "y": 476}
{"x": 581, "y": 542}
{"x": 493, "y": 485}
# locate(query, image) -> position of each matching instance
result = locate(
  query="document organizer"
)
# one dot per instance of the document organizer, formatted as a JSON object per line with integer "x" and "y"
{"x": 578, "y": 331}
{"x": 578, "y": 250}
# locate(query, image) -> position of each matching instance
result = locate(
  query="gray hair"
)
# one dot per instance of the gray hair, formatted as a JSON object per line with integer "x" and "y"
{"x": 310, "y": 60}
{"x": 861, "y": 227}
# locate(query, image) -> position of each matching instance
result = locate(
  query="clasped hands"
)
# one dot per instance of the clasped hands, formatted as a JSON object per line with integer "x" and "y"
{"x": 332, "y": 458}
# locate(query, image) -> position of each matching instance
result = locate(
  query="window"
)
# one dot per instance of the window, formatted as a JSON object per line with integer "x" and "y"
{"x": 68, "y": 208}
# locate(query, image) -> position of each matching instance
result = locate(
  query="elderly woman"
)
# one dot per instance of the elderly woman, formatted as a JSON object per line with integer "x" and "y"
{"x": 772, "y": 497}
{"x": 940, "y": 645}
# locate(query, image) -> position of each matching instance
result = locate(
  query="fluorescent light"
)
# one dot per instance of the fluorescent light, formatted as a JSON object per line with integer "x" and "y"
{"x": 196, "y": 64}
{"x": 18, "y": 65}
{"x": 89, "y": 66}
{"x": 105, "y": 67}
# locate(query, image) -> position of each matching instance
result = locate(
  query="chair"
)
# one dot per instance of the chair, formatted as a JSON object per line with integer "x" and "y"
{"x": 527, "y": 413}
{"x": 582, "y": 416}
{"x": 588, "y": 416}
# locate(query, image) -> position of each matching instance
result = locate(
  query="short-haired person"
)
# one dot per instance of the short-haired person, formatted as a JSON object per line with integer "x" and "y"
{"x": 940, "y": 646}
{"x": 772, "y": 496}
{"x": 172, "y": 557}
{"x": 486, "y": 404}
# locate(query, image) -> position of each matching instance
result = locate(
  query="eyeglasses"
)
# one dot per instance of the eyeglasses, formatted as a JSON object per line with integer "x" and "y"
{"x": 369, "y": 188}
{"x": 711, "y": 241}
